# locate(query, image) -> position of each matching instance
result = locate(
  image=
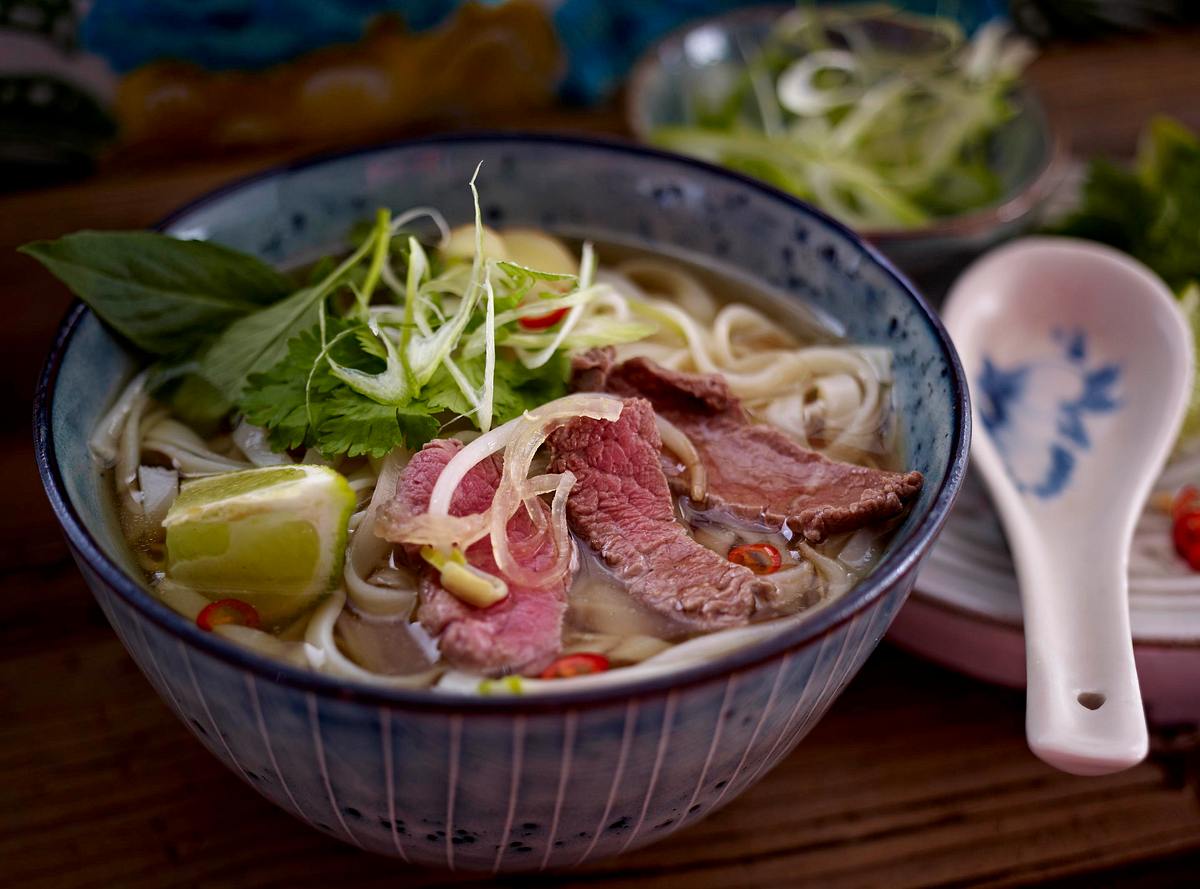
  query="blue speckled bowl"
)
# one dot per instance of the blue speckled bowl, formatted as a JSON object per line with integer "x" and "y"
{"x": 511, "y": 784}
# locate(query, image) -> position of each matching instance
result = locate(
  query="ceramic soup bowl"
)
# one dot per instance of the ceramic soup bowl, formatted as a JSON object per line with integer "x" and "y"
{"x": 512, "y": 783}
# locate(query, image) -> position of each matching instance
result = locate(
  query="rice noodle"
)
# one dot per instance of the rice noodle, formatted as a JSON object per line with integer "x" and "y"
{"x": 323, "y": 654}
{"x": 834, "y": 391}
{"x": 252, "y": 441}
{"x": 186, "y": 450}
{"x": 837, "y": 578}
{"x": 673, "y": 283}
{"x": 159, "y": 488}
{"x": 681, "y": 446}
{"x": 181, "y": 599}
{"x": 367, "y": 550}
{"x": 289, "y": 652}
{"x": 105, "y": 440}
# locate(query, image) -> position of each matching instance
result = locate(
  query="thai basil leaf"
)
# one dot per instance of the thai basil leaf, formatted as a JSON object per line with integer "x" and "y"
{"x": 164, "y": 295}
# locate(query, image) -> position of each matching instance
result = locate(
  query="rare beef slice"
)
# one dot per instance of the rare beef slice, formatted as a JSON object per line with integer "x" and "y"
{"x": 621, "y": 506}
{"x": 754, "y": 470}
{"x": 520, "y": 633}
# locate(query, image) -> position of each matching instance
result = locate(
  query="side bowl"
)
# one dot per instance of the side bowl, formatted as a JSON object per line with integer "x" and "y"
{"x": 516, "y": 783}
{"x": 697, "y": 63}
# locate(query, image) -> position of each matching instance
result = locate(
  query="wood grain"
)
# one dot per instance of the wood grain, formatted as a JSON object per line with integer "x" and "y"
{"x": 917, "y": 777}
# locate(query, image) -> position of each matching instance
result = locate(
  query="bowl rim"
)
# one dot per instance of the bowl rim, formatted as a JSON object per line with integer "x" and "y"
{"x": 890, "y": 572}
{"x": 1032, "y": 192}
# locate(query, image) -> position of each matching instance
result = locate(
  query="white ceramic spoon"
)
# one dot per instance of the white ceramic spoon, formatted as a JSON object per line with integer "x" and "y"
{"x": 1080, "y": 364}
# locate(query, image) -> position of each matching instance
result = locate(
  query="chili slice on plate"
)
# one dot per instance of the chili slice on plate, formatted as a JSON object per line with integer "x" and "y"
{"x": 228, "y": 611}
{"x": 568, "y": 666}
{"x": 1187, "y": 500}
{"x": 761, "y": 558}
{"x": 1185, "y": 525}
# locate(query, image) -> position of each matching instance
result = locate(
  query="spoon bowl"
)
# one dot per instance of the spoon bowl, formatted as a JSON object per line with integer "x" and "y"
{"x": 1080, "y": 365}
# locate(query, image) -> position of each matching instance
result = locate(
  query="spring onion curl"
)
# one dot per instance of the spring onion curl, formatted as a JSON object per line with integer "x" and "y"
{"x": 104, "y": 443}
{"x": 431, "y": 326}
{"x": 676, "y": 441}
{"x": 829, "y": 398}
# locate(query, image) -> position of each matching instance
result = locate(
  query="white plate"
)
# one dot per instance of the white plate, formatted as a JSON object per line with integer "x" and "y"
{"x": 966, "y": 613}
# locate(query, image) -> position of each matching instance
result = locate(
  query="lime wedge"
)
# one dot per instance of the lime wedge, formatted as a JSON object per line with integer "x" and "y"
{"x": 274, "y": 537}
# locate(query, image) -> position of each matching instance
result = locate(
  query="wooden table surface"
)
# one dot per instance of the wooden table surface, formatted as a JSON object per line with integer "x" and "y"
{"x": 917, "y": 777}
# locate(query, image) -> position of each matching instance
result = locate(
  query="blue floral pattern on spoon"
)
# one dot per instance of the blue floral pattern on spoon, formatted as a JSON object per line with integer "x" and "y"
{"x": 1037, "y": 412}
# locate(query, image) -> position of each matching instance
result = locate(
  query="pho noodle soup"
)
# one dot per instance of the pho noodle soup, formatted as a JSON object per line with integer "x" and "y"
{"x": 489, "y": 460}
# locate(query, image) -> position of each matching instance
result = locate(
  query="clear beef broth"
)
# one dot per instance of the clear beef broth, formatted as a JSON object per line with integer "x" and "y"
{"x": 602, "y": 617}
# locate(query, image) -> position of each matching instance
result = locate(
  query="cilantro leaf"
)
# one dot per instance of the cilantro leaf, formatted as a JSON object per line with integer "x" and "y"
{"x": 353, "y": 424}
{"x": 325, "y": 413}
{"x": 276, "y": 401}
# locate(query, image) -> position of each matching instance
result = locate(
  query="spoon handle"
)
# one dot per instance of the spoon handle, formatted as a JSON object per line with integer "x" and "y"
{"x": 1083, "y": 708}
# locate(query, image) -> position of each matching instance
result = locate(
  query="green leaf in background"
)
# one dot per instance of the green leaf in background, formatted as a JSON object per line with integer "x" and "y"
{"x": 1189, "y": 301}
{"x": 164, "y": 295}
{"x": 1151, "y": 212}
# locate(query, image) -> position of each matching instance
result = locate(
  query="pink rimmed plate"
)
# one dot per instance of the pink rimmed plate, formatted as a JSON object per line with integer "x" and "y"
{"x": 965, "y": 612}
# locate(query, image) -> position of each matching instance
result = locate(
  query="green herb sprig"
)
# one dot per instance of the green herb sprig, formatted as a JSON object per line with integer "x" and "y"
{"x": 377, "y": 351}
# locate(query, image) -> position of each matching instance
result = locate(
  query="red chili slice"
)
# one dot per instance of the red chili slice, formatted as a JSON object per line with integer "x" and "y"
{"x": 1185, "y": 527}
{"x": 761, "y": 558}
{"x": 581, "y": 664}
{"x": 1187, "y": 500}
{"x": 541, "y": 322}
{"x": 228, "y": 611}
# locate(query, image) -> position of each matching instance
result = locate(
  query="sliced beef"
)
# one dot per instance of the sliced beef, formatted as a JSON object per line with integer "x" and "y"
{"x": 523, "y": 631}
{"x": 754, "y": 470}
{"x": 622, "y": 508}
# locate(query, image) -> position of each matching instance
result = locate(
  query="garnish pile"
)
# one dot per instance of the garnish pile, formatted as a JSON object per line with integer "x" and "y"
{"x": 378, "y": 350}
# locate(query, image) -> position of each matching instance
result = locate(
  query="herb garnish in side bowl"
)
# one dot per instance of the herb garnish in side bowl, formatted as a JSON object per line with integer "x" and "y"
{"x": 881, "y": 117}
